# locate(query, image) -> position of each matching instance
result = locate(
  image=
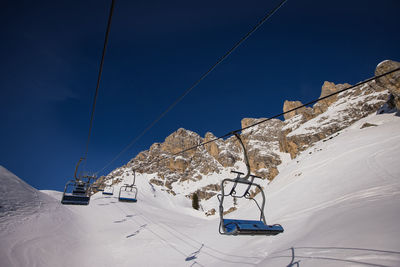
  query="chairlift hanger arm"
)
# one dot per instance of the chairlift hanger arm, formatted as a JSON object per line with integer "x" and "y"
{"x": 76, "y": 168}
{"x": 134, "y": 178}
{"x": 223, "y": 195}
{"x": 246, "y": 159}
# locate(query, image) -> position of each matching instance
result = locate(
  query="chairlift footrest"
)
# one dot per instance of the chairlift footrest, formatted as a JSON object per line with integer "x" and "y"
{"x": 75, "y": 200}
{"x": 250, "y": 227}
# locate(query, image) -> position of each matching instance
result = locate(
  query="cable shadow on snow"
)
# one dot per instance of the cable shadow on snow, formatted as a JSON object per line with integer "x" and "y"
{"x": 212, "y": 249}
{"x": 294, "y": 257}
{"x": 125, "y": 219}
{"x": 193, "y": 256}
{"x": 239, "y": 259}
{"x": 137, "y": 231}
{"x": 243, "y": 260}
{"x": 161, "y": 238}
{"x": 120, "y": 221}
{"x": 293, "y": 263}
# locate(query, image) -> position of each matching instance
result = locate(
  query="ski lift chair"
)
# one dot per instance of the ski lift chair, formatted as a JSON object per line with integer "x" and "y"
{"x": 108, "y": 190}
{"x": 77, "y": 192}
{"x": 128, "y": 193}
{"x": 239, "y": 226}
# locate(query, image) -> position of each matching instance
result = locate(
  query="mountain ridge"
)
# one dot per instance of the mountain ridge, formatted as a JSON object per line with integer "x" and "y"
{"x": 268, "y": 144}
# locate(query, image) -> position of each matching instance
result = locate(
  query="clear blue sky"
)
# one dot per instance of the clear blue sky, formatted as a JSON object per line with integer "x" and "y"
{"x": 50, "y": 53}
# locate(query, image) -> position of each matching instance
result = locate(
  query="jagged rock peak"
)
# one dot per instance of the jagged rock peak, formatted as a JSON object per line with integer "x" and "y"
{"x": 319, "y": 108}
{"x": 391, "y": 82}
{"x": 179, "y": 140}
{"x": 250, "y": 121}
{"x": 299, "y": 133}
{"x": 288, "y": 105}
{"x": 327, "y": 89}
{"x": 266, "y": 131}
{"x": 194, "y": 170}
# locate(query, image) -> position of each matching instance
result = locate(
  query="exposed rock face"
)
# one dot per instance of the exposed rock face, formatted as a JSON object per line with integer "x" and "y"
{"x": 186, "y": 173}
{"x": 225, "y": 152}
{"x": 210, "y": 212}
{"x": 288, "y": 146}
{"x": 300, "y": 132}
{"x": 327, "y": 89}
{"x": 289, "y": 105}
{"x": 390, "y": 82}
{"x": 262, "y": 145}
{"x": 208, "y": 191}
{"x": 190, "y": 165}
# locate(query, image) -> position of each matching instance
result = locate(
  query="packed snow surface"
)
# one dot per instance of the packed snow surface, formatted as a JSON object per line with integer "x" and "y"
{"x": 338, "y": 201}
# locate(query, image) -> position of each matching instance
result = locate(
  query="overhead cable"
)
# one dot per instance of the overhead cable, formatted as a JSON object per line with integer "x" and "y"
{"x": 220, "y": 60}
{"x": 273, "y": 117}
{"x": 99, "y": 77}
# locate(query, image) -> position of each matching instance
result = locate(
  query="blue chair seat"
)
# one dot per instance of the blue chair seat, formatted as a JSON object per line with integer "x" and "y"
{"x": 250, "y": 227}
{"x": 127, "y": 199}
{"x": 75, "y": 200}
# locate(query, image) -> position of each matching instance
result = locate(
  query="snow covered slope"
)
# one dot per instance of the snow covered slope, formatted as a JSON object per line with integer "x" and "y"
{"x": 338, "y": 201}
{"x": 35, "y": 230}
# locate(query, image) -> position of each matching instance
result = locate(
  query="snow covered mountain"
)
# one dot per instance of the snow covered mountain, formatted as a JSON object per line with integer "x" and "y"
{"x": 338, "y": 199}
{"x": 270, "y": 145}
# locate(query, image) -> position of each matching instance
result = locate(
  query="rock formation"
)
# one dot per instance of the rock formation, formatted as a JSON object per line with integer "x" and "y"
{"x": 327, "y": 89}
{"x": 264, "y": 142}
{"x": 289, "y": 105}
{"x": 303, "y": 129}
{"x": 390, "y": 82}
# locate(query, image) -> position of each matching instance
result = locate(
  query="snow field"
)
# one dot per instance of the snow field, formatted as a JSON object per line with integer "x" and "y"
{"x": 338, "y": 201}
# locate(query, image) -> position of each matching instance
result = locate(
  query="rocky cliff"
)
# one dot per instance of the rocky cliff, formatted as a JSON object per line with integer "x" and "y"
{"x": 268, "y": 144}
{"x": 327, "y": 117}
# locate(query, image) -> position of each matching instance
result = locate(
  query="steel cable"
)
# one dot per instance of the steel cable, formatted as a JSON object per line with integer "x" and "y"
{"x": 220, "y": 60}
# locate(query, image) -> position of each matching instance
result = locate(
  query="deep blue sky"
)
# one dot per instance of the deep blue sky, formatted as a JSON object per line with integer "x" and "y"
{"x": 50, "y": 52}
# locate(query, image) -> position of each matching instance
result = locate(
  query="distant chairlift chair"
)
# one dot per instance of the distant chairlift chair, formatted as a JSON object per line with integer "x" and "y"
{"x": 108, "y": 190}
{"x": 128, "y": 193}
{"x": 77, "y": 192}
{"x": 245, "y": 227}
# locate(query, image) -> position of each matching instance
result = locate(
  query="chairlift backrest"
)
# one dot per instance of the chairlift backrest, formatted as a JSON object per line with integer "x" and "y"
{"x": 246, "y": 194}
{"x": 76, "y": 193}
{"x": 244, "y": 227}
{"x": 128, "y": 193}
